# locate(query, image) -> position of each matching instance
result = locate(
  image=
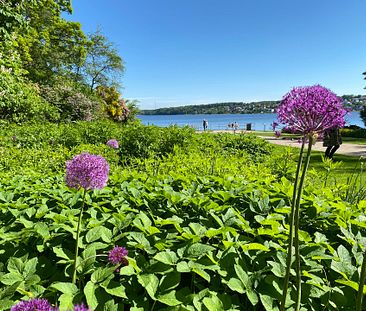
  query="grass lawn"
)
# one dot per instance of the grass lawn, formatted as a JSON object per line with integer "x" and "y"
{"x": 349, "y": 166}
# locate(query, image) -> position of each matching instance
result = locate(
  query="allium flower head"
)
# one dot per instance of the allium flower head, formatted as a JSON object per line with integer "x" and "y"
{"x": 81, "y": 307}
{"x": 277, "y": 134}
{"x": 311, "y": 109}
{"x": 87, "y": 171}
{"x": 117, "y": 255}
{"x": 33, "y": 305}
{"x": 113, "y": 143}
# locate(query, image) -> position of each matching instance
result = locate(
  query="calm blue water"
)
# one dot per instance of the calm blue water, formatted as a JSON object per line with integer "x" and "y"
{"x": 259, "y": 121}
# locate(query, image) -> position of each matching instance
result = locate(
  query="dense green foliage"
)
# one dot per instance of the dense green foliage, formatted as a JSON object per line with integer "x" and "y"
{"x": 203, "y": 216}
{"x": 21, "y": 101}
{"x": 353, "y": 131}
{"x": 55, "y": 63}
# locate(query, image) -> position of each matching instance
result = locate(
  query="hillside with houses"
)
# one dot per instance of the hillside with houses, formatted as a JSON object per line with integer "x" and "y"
{"x": 355, "y": 102}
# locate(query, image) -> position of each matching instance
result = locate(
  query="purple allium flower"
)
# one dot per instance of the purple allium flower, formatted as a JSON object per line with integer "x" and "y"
{"x": 81, "y": 307}
{"x": 277, "y": 133}
{"x": 87, "y": 171}
{"x": 311, "y": 109}
{"x": 33, "y": 305}
{"x": 113, "y": 143}
{"x": 117, "y": 255}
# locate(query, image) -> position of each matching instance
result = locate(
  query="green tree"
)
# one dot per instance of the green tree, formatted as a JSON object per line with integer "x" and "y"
{"x": 51, "y": 45}
{"x": 103, "y": 65}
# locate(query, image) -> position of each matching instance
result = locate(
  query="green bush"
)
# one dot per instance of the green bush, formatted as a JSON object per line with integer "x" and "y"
{"x": 66, "y": 134}
{"x": 143, "y": 141}
{"x": 355, "y": 132}
{"x": 20, "y": 100}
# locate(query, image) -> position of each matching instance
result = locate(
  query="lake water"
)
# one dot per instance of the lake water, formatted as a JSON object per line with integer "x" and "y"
{"x": 259, "y": 121}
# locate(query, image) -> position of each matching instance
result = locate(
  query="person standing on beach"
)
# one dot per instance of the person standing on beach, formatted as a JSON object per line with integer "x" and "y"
{"x": 205, "y": 124}
{"x": 332, "y": 140}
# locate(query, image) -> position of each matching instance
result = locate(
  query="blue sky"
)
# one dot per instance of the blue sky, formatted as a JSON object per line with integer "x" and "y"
{"x": 180, "y": 52}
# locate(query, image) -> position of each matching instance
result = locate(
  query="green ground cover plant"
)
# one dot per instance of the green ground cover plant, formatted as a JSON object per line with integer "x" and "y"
{"x": 202, "y": 216}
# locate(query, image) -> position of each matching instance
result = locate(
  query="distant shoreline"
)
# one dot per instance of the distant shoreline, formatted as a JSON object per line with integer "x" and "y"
{"x": 354, "y": 102}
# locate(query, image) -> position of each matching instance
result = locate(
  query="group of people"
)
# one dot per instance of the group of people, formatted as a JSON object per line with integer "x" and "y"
{"x": 233, "y": 125}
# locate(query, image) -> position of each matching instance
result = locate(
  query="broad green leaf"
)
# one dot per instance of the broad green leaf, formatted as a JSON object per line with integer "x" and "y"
{"x": 169, "y": 281}
{"x": 66, "y": 301}
{"x": 97, "y": 233}
{"x": 254, "y": 246}
{"x": 242, "y": 275}
{"x": 115, "y": 289}
{"x": 101, "y": 274}
{"x": 30, "y": 266}
{"x": 89, "y": 291}
{"x": 169, "y": 299}
{"x": 199, "y": 249}
{"x": 268, "y": 302}
{"x": 252, "y": 296}
{"x": 201, "y": 273}
{"x": 61, "y": 253}
{"x": 16, "y": 265}
{"x": 198, "y": 229}
{"x": 213, "y": 303}
{"x": 344, "y": 263}
{"x": 6, "y": 304}
{"x": 150, "y": 282}
{"x": 278, "y": 269}
{"x": 42, "y": 229}
{"x": 127, "y": 270}
{"x": 141, "y": 240}
{"x": 65, "y": 288}
{"x": 228, "y": 244}
{"x": 32, "y": 279}
{"x": 351, "y": 284}
{"x": 11, "y": 278}
{"x": 9, "y": 290}
{"x": 183, "y": 266}
{"x": 236, "y": 285}
{"x": 168, "y": 257}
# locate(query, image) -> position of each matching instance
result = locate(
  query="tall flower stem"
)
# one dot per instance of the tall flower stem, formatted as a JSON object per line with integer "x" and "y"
{"x": 291, "y": 234}
{"x": 361, "y": 285}
{"x": 77, "y": 238}
{"x": 297, "y": 225}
